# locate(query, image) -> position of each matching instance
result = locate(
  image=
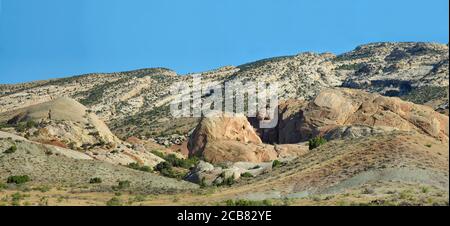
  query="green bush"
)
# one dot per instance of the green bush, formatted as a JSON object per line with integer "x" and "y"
{"x": 228, "y": 181}
{"x": 159, "y": 154}
{"x": 166, "y": 170}
{"x": 30, "y": 124}
{"x": 23, "y": 126}
{"x": 247, "y": 174}
{"x": 146, "y": 169}
{"x": 3, "y": 186}
{"x": 95, "y": 180}
{"x": 202, "y": 183}
{"x": 124, "y": 184}
{"x": 177, "y": 162}
{"x": 163, "y": 166}
{"x": 316, "y": 142}
{"x": 276, "y": 164}
{"x": 18, "y": 179}
{"x": 136, "y": 166}
{"x": 11, "y": 150}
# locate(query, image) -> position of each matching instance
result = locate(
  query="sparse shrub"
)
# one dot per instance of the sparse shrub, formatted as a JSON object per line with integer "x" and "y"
{"x": 247, "y": 174}
{"x": 139, "y": 198}
{"x": 177, "y": 162}
{"x": 23, "y": 126}
{"x": 405, "y": 195}
{"x": 222, "y": 165}
{"x": 229, "y": 181}
{"x": 368, "y": 191}
{"x": 11, "y": 150}
{"x": 166, "y": 170}
{"x": 17, "y": 197}
{"x": 256, "y": 167}
{"x": 162, "y": 166}
{"x": 18, "y": 179}
{"x": 202, "y": 183}
{"x": 3, "y": 186}
{"x": 248, "y": 203}
{"x": 122, "y": 184}
{"x": 95, "y": 134}
{"x": 276, "y": 164}
{"x": 30, "y": 124}
{"x": 425, "y": 189}
{"x": 101, "y": 143}
{"x": 95, "y": 180}
{"x": 136, "y": 166}
{"x": 187, "y": 163}
{"x": 316, "y": 142}
{"x": 43, "y": 189}
{"x": 159, "y": 154}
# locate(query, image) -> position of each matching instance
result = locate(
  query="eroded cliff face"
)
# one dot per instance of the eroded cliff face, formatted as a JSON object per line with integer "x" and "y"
{"x": 343, "y": 108}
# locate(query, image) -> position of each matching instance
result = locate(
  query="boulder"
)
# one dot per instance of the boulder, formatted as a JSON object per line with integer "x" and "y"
{"x": 203, "y": 173}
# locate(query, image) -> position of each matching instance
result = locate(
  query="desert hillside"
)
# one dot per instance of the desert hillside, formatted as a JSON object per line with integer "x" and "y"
{"x": 368, "y": 127}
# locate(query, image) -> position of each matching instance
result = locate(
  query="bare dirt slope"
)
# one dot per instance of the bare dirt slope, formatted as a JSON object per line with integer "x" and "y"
{"x": 344, "y": 164}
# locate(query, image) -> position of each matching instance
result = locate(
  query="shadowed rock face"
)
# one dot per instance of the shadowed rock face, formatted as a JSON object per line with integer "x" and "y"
{"x": 287, "y": 130}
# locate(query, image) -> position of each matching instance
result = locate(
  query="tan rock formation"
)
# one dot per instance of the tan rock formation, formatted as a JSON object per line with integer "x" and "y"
{"x": 224, "y": 127}
{"x": 338, "y": 107}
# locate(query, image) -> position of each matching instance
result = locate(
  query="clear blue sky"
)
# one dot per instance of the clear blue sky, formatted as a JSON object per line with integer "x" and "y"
{"x": 42, "y": 39}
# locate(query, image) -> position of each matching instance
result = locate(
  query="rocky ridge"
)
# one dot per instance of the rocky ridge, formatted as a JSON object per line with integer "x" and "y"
{"x": 409, "y": 70}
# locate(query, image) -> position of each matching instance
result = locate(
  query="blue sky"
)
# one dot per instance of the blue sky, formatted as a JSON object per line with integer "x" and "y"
{"x": 41, "y": 39}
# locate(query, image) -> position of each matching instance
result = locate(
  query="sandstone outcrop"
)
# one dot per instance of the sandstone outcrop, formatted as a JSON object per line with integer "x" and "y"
{"x": 333, "y": 108}
{"x": 67, "y": 124}
{"x": 223, "y": 127}
{"x": 229, "y": 138}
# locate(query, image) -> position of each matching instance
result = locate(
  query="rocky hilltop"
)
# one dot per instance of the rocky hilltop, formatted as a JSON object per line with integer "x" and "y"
{"x": 137, "y": 102}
